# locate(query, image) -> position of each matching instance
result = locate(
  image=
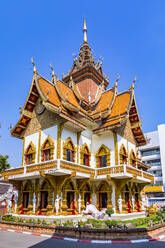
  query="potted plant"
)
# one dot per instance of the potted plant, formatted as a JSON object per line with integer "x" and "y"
{"x": 110, "y": 211}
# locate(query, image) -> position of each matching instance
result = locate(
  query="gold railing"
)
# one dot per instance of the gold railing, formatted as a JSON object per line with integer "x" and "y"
{"x": 110, "y": 170}
{"x": 76, "y": 167}
{"x": 40, "y": 167}
{"x": 124, "y": 169}
{"x": 73, "y": 167}
{"x": 12, "y": 172}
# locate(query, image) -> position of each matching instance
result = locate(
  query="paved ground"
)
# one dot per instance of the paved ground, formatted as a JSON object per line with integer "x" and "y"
{"x": 19, "y": 240}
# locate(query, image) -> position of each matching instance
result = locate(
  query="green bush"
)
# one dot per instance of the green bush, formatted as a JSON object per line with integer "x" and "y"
{"x": 38, "y": 221}
{"x": 68, "y": 223}
{"x": 44, "y": 222}
{"x": 8, "y": 218}
{"x": 112, "y": 223}
{"x": 110, "y": 211}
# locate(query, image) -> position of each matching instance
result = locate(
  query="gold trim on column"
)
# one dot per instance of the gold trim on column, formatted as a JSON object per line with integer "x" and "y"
{"x": 23, "y": 152}
{"x": 116, "y": 148}
{"x": 39, "y": 145}
{"x": 78, "y": 145}
{"x": 59, "y": 132}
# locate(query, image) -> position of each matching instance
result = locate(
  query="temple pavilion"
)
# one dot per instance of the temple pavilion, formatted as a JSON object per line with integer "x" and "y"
{"x": 80, "y": 143}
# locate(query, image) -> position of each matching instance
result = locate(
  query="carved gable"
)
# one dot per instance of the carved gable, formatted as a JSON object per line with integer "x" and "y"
{"x": 125, "y": 131}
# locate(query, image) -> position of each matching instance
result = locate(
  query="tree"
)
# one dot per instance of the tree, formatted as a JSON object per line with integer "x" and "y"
{"x": 4, "y": 163}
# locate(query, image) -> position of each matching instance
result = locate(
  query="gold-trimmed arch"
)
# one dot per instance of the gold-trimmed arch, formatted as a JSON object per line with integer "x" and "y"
{"x": 84, "y": 150}
{"x": 103, "y": 151}
{"x": 28, "y": 186}
{"x": 30, "y": 150}
{"x": 132, "y": 158}
{"x": 104, "y": 187}
{"x": 69, "y": 145}
{"x": 123, "y": 155}
{"x": 48, "y": 145}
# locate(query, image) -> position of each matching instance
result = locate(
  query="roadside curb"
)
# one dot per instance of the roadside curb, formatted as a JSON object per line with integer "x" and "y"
{"x": 86, "y": 240}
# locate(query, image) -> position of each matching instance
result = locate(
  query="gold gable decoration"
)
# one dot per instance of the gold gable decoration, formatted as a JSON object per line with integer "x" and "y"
{"x": 123, "y": 155}
{"x": 84, "y": 150}
{"x": 103, "y": 151}
{"x": 31, "y": 149}
{"x": 48, "y": 145}
{"x": 69, "y": 145}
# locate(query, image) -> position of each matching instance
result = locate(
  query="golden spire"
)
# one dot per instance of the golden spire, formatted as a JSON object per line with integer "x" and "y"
{"x": 85, "y": 31}
{"x": 34, "y": 67}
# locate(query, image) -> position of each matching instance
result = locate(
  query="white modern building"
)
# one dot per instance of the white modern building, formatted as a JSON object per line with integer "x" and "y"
{"x": 154, "y": 154}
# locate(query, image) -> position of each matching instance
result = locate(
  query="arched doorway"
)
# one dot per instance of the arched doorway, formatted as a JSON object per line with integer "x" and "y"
{"x": 85, "y": 192}
{"x": 127, "y": 199}
{"x": 104, "y": 196}
{"x": 26, "y": 198}
{"x": 137, "y": 199}
{"x": 69, "y": 195}
{"x": 44, "y": 196}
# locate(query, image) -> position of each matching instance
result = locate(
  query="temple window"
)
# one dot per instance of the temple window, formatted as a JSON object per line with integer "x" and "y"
{"x": 123, "y": 155}
{"x": 69, "y": 155}
{"x": 30, "y": 154}
{"x": 69, "y": 150}
{"x": 47, "y": 149}
{"x": 103, "y": 157}
{"x": 85, "y": 155}
{"x": 132, "y": 159}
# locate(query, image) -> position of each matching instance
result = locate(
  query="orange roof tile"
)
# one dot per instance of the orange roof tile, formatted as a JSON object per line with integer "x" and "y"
{"x": 105, "y": 101}
{"x": 120, "y": 104}
{"x": 47, "y": 87}
{"x": 68, "y": 93}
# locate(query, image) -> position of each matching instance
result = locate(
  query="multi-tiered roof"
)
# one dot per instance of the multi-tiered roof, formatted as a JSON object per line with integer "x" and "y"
{"x": 82, "y": 98}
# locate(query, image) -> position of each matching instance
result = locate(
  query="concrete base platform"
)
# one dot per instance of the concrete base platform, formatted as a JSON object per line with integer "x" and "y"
{"x": 75, "y": 218}
{"x": 128, "y": 216}
{"x": 61, "y": 219}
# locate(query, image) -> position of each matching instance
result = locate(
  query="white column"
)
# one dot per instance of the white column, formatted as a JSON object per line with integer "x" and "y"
{"x": 79, "y": 203}
{"x": 34, "y": 202}
{"x": 113, "y": 198}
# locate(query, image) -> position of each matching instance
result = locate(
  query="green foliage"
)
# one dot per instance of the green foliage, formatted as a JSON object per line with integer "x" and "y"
{"x": 38, "y": 221}
{"x": 4, "y": 163}
{"x": 44, "y": 222}
{"x": 163, "y": 208}
{"x": 110, "y": 211}
{"x": 8, "y": 218}
{"x": 112, "y": 223}
{"x": 69, "y": 223}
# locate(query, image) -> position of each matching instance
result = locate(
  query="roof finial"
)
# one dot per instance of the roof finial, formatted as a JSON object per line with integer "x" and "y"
{"x": 118, "y": 78}
{"x": 34, "y": 67}
{"x": 85, "y": 31}
{"x": 133, "y": 84}
{"x": 52, "y": 70}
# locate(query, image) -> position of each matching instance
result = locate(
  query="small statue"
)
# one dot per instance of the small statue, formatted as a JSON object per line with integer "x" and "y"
{"x": 120, "y": 203}
{"x": 133, "y": 205}
{"x": 34, "y": 202}
{"x": 57, "y": 205}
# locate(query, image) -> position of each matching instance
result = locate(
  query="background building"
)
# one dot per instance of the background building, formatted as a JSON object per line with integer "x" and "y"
{"x": 154, "y": 153}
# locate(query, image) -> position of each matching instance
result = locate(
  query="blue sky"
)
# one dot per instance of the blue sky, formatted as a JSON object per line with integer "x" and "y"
{"x": 129, "y": 35}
